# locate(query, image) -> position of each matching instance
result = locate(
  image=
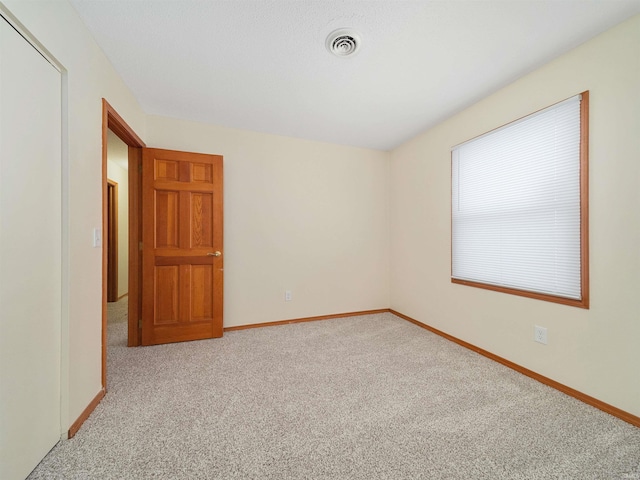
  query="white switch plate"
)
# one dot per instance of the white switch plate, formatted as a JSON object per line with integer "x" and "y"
{"x": 97, "y": 237}
{"x": 287, "y": 296}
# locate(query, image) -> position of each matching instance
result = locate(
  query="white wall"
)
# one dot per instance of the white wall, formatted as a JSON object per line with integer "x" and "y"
{"x": 305, "y": 216}
{"x": 594, "y": 351}
{"x": 89, "y": 78}
{"x": 117, "y": 155}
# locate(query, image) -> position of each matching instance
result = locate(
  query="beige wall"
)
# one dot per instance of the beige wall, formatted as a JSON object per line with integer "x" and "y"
{"x": 117, "y": 155}
{"x": 594, "y": 351}
{"x": 303, "y": 216}
{"x": 89, "y": 77}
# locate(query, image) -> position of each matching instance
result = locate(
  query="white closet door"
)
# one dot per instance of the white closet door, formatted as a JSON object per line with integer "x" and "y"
{"x": 30, "y": 255}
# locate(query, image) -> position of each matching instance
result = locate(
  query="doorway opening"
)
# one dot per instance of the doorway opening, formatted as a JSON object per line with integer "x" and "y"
{"x": 114, "y": 125}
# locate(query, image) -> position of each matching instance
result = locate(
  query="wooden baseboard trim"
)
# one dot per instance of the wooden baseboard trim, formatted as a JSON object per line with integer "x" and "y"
{"x": 306, "y": 319}
{"x": 85, "y": 414}
{"x": 594, "y": 402}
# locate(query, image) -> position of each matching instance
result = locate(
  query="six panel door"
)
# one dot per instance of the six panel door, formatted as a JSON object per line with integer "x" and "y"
{"x": 182, "y": 246}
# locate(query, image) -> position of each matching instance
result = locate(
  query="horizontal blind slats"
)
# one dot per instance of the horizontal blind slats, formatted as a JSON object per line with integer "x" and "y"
{"x": 516, "y": 204}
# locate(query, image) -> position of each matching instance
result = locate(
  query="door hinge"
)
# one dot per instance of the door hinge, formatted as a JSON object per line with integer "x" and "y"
{"x": 140, "y": 246}
{"x": 139, "y": 323}
{"x": 139, "y": 168}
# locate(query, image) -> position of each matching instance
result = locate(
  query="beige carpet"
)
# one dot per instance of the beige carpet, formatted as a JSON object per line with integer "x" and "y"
{"x": 117, "y": 312}
{"x": 371, "y": 397}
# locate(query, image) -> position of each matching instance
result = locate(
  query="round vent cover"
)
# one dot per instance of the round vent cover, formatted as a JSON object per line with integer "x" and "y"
{"x": 343, "y": 42}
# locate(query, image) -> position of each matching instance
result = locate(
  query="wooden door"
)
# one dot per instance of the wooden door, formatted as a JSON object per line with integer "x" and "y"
{"x": 112, "y": 241}
{"x": 182, "y": 262}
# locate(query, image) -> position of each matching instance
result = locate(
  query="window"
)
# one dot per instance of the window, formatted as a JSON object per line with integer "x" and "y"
{"x": 519, "y": 206}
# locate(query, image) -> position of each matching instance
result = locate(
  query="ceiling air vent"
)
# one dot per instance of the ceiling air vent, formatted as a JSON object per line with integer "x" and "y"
{"x": 343, "y": 42}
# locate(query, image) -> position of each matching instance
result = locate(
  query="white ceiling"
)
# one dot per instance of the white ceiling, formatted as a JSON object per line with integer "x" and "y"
{"x": 262, "y": 65}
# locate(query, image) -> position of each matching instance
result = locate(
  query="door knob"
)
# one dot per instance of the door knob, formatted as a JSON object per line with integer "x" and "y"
{"x": 214, "y": 254}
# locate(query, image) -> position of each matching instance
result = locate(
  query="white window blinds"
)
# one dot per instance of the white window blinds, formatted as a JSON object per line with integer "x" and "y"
{"x": 516, "y": 204}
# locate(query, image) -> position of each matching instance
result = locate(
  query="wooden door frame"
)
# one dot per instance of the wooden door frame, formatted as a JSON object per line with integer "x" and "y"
{"x": 111, "y": 120}
{"x": 111, "y": 235}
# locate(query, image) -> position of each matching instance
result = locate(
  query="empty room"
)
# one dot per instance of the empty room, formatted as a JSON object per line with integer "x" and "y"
{"x": 360, "y": 239}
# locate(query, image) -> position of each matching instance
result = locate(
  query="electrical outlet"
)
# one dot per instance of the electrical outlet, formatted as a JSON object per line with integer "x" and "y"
{"x": 540, "y": 335}
{"x": 287, "y": 296}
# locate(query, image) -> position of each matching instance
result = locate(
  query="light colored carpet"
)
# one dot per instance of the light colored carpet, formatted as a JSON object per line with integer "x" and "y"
{"x": 371, "y": 397}
{"x": 117, "y": 312}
